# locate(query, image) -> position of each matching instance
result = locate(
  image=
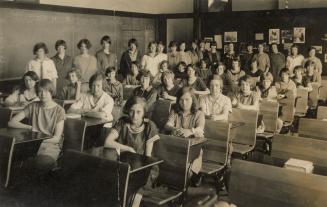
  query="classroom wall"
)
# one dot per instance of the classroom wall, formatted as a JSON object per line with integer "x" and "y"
{"x": 252, "y": 5}
{"x": 180, "y": 30}
{"x": 248, "y": 23}
{"x": 298, "y": 4}
{"x": 20, "y": 29}
{"x": 142, "y": 6}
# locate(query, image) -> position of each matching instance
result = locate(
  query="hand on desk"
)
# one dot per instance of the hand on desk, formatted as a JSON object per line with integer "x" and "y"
{"x": 183, "y": 132}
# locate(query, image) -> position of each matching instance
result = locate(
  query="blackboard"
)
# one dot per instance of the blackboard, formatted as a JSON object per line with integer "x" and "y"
{"x": 21, "y": 28}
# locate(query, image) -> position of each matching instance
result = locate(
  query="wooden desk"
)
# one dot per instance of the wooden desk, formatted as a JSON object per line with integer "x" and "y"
{"x": 23, "y": 135}
{"x": 196, "y": 145}
{"x": 285, "y": 147}
{"x": 94, "y": 121}
{"x": 94, "y": 132}
{"x": 136, "y": 161}
{"x": 140, "y": 167}
{"x": 25, "y": 145}
{"x": 257, "y": 185}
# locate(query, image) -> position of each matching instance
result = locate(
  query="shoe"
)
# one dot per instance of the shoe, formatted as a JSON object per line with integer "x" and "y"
{"x": 196, "y": 180}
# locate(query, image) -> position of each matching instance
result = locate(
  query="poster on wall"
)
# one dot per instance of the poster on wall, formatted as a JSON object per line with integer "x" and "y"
{"x": 274, "y": 36}
{"x": 259, "y": 36}
{"x": 299, "y": 35}
{"x": 287, "y": 36}
{"x": 318, "y": 48}
{"x": 230, "y": 37}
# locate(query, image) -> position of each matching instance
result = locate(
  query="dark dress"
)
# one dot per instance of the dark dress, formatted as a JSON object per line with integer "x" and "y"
{"x": 136, "y": 139}
{"x": 62, "y": 66}
{"x": 126, "y": 63}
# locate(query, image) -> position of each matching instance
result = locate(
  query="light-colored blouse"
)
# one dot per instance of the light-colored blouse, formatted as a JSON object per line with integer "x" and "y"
{"x": 105, "y": 104}
{"x": 216, "y": 106}
{"x": 87, "y": 66}
{"x": 45, "y": 69}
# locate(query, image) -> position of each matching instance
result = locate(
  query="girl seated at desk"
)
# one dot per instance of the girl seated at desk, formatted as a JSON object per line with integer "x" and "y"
{"x": 246, "y": 98}
{"x": 168, "y": 90}
{"x": 114, "y": 88}
{"x": 269, "y": 93}
{"x": 187, "y": 121}
{"x": 216, "y": 106}
{"x": 26, "y": 93}
{"x": 311, "y": 75}
{"x": 146, "y": 90}
{"x": 44, "y": 116}
{"x": 163, "y": 67}
{"x": 134, "y": 133}
{"x": 300, "y": 80}
{"x": 266, "y": 89}
{"x": 286, "y": 85}
{"x": 96, "y": 103}
{"x": 72, "y": 91}
{"x": 199, "y": 87}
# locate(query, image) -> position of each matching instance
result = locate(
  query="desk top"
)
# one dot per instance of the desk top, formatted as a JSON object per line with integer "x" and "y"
{"x": 136, "y": 162}
{"x": 23, "y": 135}
{"x": 93, "y": 121}
{"x": 197, "y": 140}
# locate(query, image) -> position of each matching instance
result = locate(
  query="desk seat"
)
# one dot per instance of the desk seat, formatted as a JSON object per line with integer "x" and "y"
{"x": 241, "y": 148}
{"x": 209, "y": 167}
{"x": 265, "y": 135}
{"x": 160, "y": 195}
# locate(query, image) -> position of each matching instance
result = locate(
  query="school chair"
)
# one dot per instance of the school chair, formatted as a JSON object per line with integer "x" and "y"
{"x": 257, "y": 185}
{"x": 269, "y": 112}
{"x": 314, "y": 95}
{"x": 64, "y": 103}
{"x": 173, "y": 172}
{"x": 216, "y": 152}
{"x": 323, "y": 90}
{"x": 322, "y": 112}
{"x": 6, "y": 154}
{"x": 5, "y": 114}
{"x": 74, "y": 134}
{"x": 288, "y": 111}
{"x": 313, "y": 128}
{"x": 244, "y": 136}
{"x": 87, "y": 180}
{"x": 286, "y": 146}
{"x": 160, "y": 113}
{"x": 301, "y": 103}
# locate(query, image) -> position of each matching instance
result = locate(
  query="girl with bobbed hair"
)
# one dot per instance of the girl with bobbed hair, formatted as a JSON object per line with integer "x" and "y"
{"x": 43, "y": 66}
{"x": 187, "y": 121}
{"x": 26, "y": 93}
{"x": 85, "y": 63}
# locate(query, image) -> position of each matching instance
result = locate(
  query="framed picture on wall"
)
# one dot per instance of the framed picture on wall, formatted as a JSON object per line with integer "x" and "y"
{"x": 274, "y": 36}
{"x": 287, "y": 36}
{"x": 259, "y": 36}
{"x": 299, "y": 35}
{"x": 230, "y": 37}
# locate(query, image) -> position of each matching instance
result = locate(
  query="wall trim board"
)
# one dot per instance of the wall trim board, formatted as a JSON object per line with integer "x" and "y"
{"x": 265, "y": 12}
{"x": 177, "y": 15}
{"x": 56, "y": 8}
